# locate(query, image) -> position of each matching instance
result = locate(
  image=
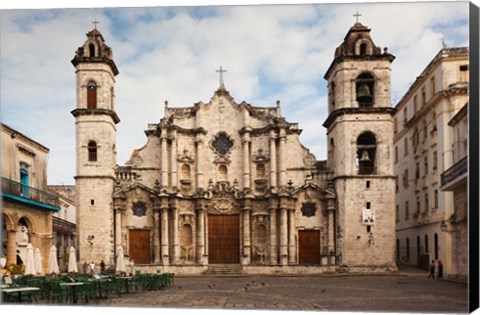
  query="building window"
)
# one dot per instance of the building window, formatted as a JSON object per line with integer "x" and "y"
{"x": 395, "y": 125}
{"x": 405, "y": 145}
{"x": 427, "y": 205}
{"x": 435, "y": 199}
{"x": 435, "y": 240}
{"x": 417, "y": 171}
{"x": 426, "y": 243}
{"x": 398, "y": 249}
{"x": 396, "y": 154}
{"x": 332, "y": 94}
{"x": 425, "y": 165}
{"x": 91, "y": 50}
{"x": 396, "y": 184}
{"x": 408, "y": 248}
{"x": 24, "y": 179}
{"x": 405, "y": 178}
{"x": 432, "y": 86}
{"x": 92, "y": 151}
{"x": 424, "y": 96}
{"x": 418, "y": 210}
{"x": 435, "y": 160}
{"x": 91, "y": 95}
{"x": 405, "y": 114}
{"x": 365, "y": 90}
{"x": 407, "y": 211}
{"x": 464, "y": 73}
{"x": 415, "y": 104}
{"x": 397, "y": 214}
{"x": 366, "y": 152}
{"x": 425, "y": 131}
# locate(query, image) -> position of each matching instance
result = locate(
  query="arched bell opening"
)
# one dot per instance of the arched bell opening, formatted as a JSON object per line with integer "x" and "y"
{"x": 366, "y": 153}
{"x": 365, "y": 84}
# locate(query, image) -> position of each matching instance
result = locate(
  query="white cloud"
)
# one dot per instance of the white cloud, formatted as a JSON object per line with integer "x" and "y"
{"x": 270, "y": 53}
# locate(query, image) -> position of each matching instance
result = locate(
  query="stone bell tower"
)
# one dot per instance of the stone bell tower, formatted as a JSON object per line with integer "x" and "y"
{"x": 360, "y": 143}
{"x": 95, "y": 121}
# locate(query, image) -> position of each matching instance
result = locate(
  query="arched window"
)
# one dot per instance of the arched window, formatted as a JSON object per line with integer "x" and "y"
{"x": 363, "y": 49}
{"x": 408, "y": 248}
{"x": 91, "y": 95}
{"x": 366, "y": 152}
{"x": 398, "y": 249}
{"x": 435, "y": 249}
{"x": 91, "y": 50}
{"x": 92, "y": 151}
{"x": 365, "y": 84}
{"x": 426, "y": 243}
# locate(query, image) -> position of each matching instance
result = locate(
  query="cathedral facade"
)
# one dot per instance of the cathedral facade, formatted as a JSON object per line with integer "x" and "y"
{"x": 229, "y": 184}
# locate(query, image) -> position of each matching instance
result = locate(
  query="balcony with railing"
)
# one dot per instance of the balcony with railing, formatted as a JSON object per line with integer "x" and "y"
{"x": 19, "y": 193}
{"x": 455, "y": 175}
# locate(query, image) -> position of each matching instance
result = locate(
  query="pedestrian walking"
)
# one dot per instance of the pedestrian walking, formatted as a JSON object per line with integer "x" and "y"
{"x": 432, "y": 270}
{"x": 440, "y": 269}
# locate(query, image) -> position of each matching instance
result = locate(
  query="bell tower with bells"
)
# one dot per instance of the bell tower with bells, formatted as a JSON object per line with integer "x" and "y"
{"x": 360, "y": 146}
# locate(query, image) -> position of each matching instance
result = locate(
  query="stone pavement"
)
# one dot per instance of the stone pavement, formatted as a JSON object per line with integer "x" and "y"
{"x": 403, "y": 292}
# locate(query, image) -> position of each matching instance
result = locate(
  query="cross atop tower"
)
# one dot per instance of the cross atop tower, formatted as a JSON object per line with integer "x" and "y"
{"x": 95, "y": 22}
{"x": 221, "y": 71}
{"x": 357, "y": 15}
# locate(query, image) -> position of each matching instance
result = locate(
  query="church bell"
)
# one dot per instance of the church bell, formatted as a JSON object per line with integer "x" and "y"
{"x": 363, "y": 94}
{"x": 365, "y": 157}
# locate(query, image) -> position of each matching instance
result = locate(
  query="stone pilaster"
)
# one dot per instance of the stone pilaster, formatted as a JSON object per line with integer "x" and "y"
{"x": 273, "y": 160}
{"x": 273, "y": 236}
{"x": 173, "y": 159}
{"x": 246, "y": 160}
{"x": 283, "y": 236}
{"x": 118, "y": 227}
{"x": 165, "y": 243}
{"x": 292, "y": 246}
{"x": 156, "y": 236}
{"x": 200, "y": 235}
{"x": 164, "y": 158}
{"x": 198, "y": 160}
{"x": 282, "y": 170}
{"x": 246, "y": 236}
{"x": 175, "y": 236}
{"x": 11, "y": 248}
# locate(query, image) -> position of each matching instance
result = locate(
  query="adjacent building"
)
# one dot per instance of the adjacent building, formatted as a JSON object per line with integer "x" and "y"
{"x": 27, "y": 206}
{"x": 425, "y": 147}
{"x": 227, "y": 183}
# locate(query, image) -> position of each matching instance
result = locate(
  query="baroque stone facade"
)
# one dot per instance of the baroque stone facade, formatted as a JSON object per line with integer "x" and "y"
{"x": 230, "y": 183}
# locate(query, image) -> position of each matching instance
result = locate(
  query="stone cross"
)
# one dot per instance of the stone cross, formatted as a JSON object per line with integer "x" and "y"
{"x": 95, "y": 22}
{"x": 357, "y": 15}
{"x": 221, "y": 71}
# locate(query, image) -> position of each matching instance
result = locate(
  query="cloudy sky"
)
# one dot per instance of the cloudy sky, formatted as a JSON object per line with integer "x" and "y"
{"x": 271, "y": 52}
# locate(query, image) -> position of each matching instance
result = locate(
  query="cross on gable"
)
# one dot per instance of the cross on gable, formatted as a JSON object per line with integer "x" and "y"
{"x": 221, "y": 71}
{"x": 357, "y": 15}
{"x": 95, "y": 22}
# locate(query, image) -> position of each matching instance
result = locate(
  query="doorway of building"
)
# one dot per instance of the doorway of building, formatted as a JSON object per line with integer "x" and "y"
{"x": 139, "y": 246}
{"x": 309, "y": 247}
{"x": 223, "y": 239}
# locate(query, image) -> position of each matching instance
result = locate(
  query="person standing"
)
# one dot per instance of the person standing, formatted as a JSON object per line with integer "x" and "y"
{"x": 92, "y": 268}
{"x": 85, "y": 268}
{"x": 102, "y": 267}
{"x": 440, "y": 269}
{"x": 432, "y": 270}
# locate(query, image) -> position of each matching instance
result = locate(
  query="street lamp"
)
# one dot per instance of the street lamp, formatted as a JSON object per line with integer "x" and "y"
{"x": 90, "y": 239}
{"x": 443, "y": 228}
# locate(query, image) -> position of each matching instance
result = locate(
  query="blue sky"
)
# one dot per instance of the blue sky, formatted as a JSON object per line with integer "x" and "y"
{"x": 271, "y": 52}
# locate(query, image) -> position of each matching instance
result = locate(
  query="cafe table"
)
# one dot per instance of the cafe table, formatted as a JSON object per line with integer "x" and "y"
{"x": 73, "y": 290}
{"x": 18, "y": 292}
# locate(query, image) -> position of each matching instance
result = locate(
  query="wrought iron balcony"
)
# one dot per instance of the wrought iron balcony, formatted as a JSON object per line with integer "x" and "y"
{"x": 28, "y": 195}
{"x": 453, "y": 175}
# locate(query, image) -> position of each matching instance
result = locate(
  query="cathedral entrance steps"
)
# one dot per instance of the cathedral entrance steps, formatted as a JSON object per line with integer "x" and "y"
{"x": 224, "y": 269}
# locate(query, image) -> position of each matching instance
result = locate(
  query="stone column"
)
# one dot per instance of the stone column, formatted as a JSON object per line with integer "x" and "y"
{"x": 198, "y": 158}
{"x": 273, "y": 160}
{"x": 292, "y": 246}
{"x": 175, "y": 236}
{"x": 283, "y": 236}
{"x": 200, "y": 235}
{"x": 246, "y": 236}
{"x": 331, "y": 230}
{"x": 164, "y": 158}
{"x": 174, "y": 160}
{"x": 246, "y": 160}
{"x": 12, "y": 248}
{"x": 118, "y": 227}
{"x": 156, "y": 236}
{"x": 273, "y": 236}
{"x": 165, "y": 249}
{"x": 282, "y": 170}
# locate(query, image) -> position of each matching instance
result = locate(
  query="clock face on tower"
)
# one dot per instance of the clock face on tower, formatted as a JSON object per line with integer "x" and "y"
{"x": 222, "y": 143}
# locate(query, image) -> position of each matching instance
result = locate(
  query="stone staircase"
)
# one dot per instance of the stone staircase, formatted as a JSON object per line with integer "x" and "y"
{"x": 226, "y": 269}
